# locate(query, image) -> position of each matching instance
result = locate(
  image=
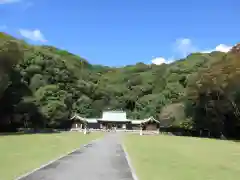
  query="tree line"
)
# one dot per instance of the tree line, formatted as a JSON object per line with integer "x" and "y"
{"x": 42, "y": 86}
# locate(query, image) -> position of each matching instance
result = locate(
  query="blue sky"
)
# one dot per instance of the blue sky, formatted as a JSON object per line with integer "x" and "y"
{"x": 121, "y": 32}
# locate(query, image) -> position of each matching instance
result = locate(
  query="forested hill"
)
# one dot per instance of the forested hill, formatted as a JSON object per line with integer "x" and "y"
{"x": 42, "y": 86}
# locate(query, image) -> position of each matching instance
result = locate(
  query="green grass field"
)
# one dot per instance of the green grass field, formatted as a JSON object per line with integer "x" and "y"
{"x": 20, "y": 154}
{"x": 183, "y": 158}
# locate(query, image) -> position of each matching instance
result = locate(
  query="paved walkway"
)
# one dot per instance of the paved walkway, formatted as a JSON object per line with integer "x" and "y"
{"x": 101, "y": 160}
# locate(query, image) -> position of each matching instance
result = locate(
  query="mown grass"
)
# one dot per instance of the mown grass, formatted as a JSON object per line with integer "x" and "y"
{"x": 183, "y": 158}
{"x": 20, "y": 154}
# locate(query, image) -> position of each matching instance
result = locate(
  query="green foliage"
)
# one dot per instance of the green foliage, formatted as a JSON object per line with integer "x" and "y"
{"x": 42, "y": 86}
{"x": 173, "y": 115}
{"x": 213, "y": 98}
{"x": 10, "y": 55}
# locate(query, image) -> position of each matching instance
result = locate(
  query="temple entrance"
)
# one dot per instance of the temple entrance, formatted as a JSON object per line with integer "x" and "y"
{"x": 113, "y": 126}
{"x": 107, "y": 125}
{"x": 115, "y": 120}
{"x": 110, "y": 126}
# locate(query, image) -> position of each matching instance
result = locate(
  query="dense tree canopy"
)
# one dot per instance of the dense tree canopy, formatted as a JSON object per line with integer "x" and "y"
{"x": 213, "y": 97}
{"x": 42, "y": 86}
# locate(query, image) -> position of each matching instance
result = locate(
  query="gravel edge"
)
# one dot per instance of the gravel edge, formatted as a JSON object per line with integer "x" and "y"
{"x": 134, "y": 175}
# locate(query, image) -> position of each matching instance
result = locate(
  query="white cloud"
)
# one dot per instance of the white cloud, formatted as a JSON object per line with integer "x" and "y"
{"x": 184, "y": 46}
{"x": 9, "y": 1}
{"x": 223, "y": 48}
{"x": 161, "y": 60}
{"x": 34, "y": 35}
{"x": 25, "y": 4}
{"x": 220, "y": 47}
{"x": 158, "y": 60}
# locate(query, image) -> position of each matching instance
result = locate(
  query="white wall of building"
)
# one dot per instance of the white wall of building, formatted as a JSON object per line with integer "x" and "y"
{"x": 114, "y": 115}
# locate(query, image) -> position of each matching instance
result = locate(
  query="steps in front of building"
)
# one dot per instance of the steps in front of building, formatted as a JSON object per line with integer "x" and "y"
{"x": 145, "y": 132}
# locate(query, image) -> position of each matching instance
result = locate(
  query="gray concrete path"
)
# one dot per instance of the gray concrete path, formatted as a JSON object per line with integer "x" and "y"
{"x": 101, "y": 160}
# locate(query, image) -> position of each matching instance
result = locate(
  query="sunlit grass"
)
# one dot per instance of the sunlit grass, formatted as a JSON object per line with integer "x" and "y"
{"x": 22, "y": 153}
{"x": 183, "y": 158}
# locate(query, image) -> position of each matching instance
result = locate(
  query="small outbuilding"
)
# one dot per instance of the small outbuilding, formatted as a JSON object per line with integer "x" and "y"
{"x": 150, "y": 124}
{"x": 78, "y": 122}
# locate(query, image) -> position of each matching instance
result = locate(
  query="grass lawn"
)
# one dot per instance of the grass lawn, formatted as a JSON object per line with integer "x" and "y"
{"x": 22, "y": 153}
{"x": 183, "y": 158}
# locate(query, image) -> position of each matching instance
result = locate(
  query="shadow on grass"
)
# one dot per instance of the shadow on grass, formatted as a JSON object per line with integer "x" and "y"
{"x": 45, "y": 131}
